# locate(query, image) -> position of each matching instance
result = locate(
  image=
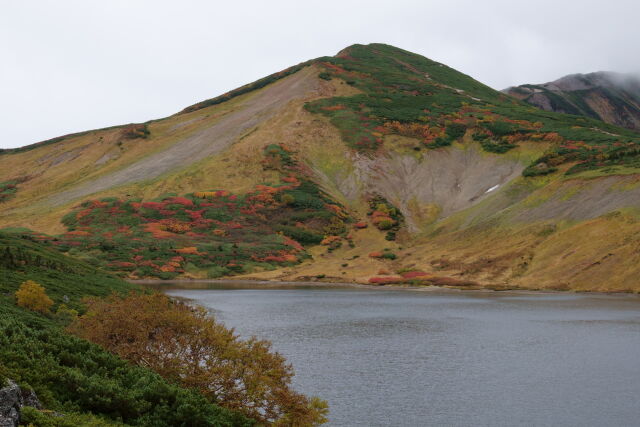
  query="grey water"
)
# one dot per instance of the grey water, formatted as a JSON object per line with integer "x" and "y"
{"x": 402, "y": 358}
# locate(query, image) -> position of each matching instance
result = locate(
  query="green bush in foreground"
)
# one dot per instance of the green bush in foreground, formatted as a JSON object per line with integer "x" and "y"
{"x": 90, "y": 386}
{"x": 71, "y": 375}
{"x": 31, "y": 416}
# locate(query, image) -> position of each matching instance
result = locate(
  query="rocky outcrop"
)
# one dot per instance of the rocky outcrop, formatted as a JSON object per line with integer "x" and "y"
{"x": 12, "y": 399}
{"x": 611, "y": 97}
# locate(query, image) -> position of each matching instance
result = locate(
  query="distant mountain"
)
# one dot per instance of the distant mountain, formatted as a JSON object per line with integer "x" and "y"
{"x": 376, "y": 165}
{"x": 611, "y": 97}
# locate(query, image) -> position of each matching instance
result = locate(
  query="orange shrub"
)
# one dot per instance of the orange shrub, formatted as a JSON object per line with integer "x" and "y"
{"x": 335, "y": 209}
{"x": 330, "y": 239}
{"x": 157, "y": 229}
{"x": 192, "y": 250}
{"x": 337, "y": 107}
{"x": 290, "y": 258}
{"x": 177, "y": 227}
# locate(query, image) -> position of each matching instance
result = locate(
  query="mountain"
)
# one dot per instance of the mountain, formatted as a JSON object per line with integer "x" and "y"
{"x": 376, "y": 165}
{"x": 611, "y": 97}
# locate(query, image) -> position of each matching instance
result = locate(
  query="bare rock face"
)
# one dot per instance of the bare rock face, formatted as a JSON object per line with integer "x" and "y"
{"x": 10, "y": 404}
{"x": 12, "y": 399}
{"x": 611, "y": 97}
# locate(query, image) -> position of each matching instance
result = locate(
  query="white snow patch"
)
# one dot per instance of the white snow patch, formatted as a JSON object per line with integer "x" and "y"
{"x": 492, "y": 188}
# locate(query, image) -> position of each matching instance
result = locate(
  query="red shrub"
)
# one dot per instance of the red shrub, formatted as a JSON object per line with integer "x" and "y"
{"x": 83, "y": 213}
{"x": 413, "y": 274}
{"x": 274, "y": 258}
{"x": 179, "y": 201}
{"x": 78, "y": 233}
{"x": 334, "y": 208}
{"x": 123, "y": 265}
{"x": 153, "y": 205}
{"x": 195, "y": 215}
{"x": 384, "y": 280}
{"x": 293, "y": 243}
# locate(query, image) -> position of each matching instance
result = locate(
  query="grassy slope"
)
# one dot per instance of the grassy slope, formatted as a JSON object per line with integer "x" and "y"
{"x": 373, "y": 86}
{"x": 516, "y": 260}
{"x": 94, "y": 154}
{"x": 60, "y": 274}
{"x": 72, "y": 376}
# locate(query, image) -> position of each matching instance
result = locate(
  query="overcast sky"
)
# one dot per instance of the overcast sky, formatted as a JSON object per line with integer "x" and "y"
{"x": 68, "y": 66}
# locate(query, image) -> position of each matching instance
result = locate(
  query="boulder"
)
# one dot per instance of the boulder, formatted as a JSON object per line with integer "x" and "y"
{"x": 12, "y": 399}
{"x": 10, "y": 404}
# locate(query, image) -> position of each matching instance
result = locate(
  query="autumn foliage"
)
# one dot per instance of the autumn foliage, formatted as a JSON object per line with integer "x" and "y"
{"x": 384, "y": 280}
{"x": 216, "y": 233}
{"x": 32, "y": 296}
{"x": 185, "y": 345}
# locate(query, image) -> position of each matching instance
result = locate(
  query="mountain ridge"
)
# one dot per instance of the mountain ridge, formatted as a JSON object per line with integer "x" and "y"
{"x": 604, "y": 95}
{"x": 368, "y": 166}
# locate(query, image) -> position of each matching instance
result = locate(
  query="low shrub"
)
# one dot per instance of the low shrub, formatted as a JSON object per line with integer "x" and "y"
{"x": 32, "y": 296}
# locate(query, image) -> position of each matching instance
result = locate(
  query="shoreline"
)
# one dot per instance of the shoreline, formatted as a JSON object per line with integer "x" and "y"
{"x": 277, "y": 284}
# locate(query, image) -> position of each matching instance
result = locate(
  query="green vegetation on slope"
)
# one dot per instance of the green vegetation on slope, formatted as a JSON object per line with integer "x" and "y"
{"x": 208, "y": 233}
{"x": 407, "y": 94}
{"x": 71, "y": 376}
{"x": 247, "y": 88}
{"x": 129, "y": 131}
{"x": 23, "y": 257}
{"x": 8, "y": 189}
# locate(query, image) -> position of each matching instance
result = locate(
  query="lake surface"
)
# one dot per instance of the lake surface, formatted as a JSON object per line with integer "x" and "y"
{"x": 410, "y": 358}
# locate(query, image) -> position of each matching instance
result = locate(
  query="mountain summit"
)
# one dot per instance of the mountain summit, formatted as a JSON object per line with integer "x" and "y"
{"x": 376, "y": 165}
{"x": 611, "y": 97}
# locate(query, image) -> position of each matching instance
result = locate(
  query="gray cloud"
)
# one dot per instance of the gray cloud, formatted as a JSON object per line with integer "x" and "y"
{"x": 73, "y": 65}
